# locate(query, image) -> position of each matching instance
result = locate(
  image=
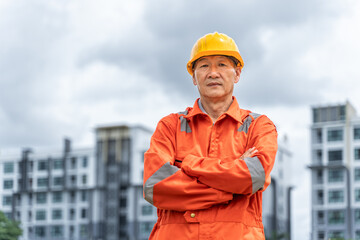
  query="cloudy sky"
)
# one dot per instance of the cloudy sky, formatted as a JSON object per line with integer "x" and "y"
{"x": 69, "y": 66}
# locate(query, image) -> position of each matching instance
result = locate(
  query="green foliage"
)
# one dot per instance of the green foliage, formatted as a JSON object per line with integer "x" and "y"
{"x": 278, "y": 236}
{"x": 9, "y": 230}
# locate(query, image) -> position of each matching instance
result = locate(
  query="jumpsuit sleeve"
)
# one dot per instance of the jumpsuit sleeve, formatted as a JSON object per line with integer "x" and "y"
{"x": 165, "y": 185}
{"x": 239, "y": 176}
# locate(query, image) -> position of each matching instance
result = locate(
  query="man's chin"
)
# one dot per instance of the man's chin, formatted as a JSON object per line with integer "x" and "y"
{"x": 214, "y": 94}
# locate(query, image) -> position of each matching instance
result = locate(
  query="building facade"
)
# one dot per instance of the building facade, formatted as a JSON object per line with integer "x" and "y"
{"x": 49, "y": 192}
{"x": 335, "y": 172}
{"x": 277, "y": 197}
{"x": 78, "y": 194}
{"x": 96, "y": 193}
{"x": 124, "y": 213}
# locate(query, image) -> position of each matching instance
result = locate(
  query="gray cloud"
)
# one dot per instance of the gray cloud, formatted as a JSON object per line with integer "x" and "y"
{"x": 45, "y": 46}
{"x": 162, "y": 50}
{"x": 29, "y": 63}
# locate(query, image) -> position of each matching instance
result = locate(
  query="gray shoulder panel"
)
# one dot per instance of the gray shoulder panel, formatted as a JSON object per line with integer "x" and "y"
{"x": 246, "y": 124}
{"x": 183, "y": 113}
{"x": 184, "y": 125}
{"x": 255, "y": 115}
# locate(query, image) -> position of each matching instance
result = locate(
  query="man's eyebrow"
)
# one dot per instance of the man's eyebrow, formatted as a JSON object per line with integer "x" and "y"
{"x": 220, "y": 56}
{"x": 201, "y": 59}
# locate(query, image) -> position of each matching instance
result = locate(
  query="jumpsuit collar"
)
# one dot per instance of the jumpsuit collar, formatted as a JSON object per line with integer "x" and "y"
{"x": 234, "y": 111}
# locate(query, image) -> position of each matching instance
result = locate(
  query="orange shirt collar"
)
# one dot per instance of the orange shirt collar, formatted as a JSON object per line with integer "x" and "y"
{"x": 234, "y": 111}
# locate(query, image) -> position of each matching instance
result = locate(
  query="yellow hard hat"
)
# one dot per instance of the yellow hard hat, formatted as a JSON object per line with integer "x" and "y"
{"x": 214, "y": 44}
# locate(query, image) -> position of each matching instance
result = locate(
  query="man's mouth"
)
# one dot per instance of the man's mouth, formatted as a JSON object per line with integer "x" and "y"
{"x": 211, "y": 84}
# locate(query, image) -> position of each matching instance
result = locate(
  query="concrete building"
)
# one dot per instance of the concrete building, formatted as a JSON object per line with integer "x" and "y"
{"x": 49, "y": 192}
{"x": 76, "y": 194}
{"x": 124, "y": 213}
{"x": 335, "y": 172}
{"x": 277, "y": 197}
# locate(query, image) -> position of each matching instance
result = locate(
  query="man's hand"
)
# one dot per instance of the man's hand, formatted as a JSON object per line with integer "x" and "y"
{"x": 249, "y": 153}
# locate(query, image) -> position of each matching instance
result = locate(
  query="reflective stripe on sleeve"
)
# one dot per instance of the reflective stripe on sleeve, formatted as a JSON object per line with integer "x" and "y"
{"x": 257, "y": 173}
{"x": 165, "y": 171}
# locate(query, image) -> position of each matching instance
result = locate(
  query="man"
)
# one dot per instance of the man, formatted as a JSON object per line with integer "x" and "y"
{"x": 206, "y": 167}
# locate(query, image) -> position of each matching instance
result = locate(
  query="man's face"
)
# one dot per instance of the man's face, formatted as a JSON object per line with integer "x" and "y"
{"x": 215, "y": 77}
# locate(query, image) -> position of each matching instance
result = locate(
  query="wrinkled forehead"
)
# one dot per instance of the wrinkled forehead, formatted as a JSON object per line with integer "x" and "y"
{"x": 218, "y": 57}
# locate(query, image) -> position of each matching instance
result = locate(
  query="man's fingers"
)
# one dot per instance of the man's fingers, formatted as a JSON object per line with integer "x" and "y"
{"x": 250, "y": 152}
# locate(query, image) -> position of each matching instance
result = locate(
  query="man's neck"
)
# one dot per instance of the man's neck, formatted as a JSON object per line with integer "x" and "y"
{"x": 215, "y": 108}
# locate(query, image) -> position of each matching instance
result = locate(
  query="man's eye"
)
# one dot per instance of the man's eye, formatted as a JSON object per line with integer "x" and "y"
{"x": 204, "y": 65}
{"x": 222, "y": 64}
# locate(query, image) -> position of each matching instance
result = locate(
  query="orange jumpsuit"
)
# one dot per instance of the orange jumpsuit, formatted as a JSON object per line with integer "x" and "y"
{"x": 193, "y": 174}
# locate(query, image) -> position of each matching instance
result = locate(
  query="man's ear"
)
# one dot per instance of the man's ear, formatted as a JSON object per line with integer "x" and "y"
{"x": 194, "y": 80}
{"x": 237, "y": 74}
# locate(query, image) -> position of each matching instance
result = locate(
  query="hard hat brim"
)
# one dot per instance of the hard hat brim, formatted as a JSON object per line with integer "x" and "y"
{"x": 201, "y": 54}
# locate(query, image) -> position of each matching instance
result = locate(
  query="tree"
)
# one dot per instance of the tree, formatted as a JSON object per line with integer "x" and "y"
{"x": 9, "y": 230}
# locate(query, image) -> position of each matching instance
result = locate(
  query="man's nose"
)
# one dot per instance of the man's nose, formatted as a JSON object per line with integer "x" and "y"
{"x": 214, "y": 73}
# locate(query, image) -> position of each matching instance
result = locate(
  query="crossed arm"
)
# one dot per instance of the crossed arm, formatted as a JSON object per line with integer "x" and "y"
{"x": 252, "y": 173}
{"x": 193, "y": 186}
{"x": 168, "y": 187}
